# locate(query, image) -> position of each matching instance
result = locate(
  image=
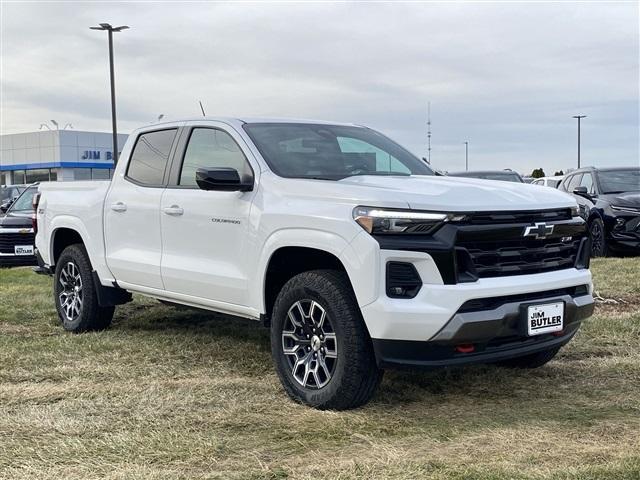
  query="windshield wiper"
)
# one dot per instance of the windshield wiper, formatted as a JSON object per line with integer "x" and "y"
{"x": 379, "y": 174}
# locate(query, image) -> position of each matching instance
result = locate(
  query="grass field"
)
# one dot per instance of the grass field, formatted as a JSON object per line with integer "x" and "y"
{"x": 173, "y": 393}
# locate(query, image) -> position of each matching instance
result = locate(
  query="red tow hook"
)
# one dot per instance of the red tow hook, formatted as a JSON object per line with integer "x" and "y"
{"x": 465, "y": 348}
{"x": 558, "y": 334}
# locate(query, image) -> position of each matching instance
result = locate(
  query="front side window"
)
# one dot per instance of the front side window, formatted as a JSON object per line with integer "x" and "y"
{"x": 211, "y": 148}
{"x": 331, "y": 152}
{"x": 150, "y": 156}
{"x": 587, "y": 181}
{"x": 573, "y": 182}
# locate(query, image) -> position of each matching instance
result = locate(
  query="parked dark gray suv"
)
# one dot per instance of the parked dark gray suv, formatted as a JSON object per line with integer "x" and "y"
{"x": 609, "y": 200}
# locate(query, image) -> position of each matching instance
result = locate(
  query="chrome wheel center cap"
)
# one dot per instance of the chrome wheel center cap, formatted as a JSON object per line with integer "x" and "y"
{"x": 315, "y": 343}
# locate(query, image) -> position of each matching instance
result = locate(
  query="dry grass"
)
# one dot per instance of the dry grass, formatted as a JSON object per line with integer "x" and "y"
{"x": 169, "y": 393}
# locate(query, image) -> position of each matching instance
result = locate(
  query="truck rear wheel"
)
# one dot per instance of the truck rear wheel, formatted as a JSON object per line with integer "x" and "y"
{"x": 75, "y": 293}
{"x": 533, "y": 360}
{"x": 320, "y": 346}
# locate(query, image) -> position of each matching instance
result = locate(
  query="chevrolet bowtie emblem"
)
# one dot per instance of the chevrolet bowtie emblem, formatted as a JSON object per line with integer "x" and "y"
{"x": 538, "y": 231}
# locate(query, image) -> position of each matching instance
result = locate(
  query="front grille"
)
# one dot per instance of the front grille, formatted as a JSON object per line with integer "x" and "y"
{"x": 494, "y": 245}
{"x": 518, "y": 257}
{"x": 9, "y": 240}
{"x": 490, "y": 303}
{"x": 529, "y": 217}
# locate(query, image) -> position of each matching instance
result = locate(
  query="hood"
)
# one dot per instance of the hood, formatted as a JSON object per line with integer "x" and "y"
{"x": 627, "y": 199}
{"x": 427, "y": 193}
{"x": 464, "y": 194}
{"x": 16, "y": 220}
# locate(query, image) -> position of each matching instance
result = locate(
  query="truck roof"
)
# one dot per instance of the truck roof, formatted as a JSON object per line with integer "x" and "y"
{"x": 237, "y": 121}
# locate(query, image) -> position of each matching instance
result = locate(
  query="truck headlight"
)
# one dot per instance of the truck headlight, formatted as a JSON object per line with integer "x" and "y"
{"x": 387, "y": 221}
{"x": 575, "y": 211}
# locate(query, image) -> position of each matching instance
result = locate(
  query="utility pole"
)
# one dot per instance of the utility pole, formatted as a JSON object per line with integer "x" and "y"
{"x": 579, "y": 117}
{"x": 466, "y": 156}
{"x": 110, "y": 30}
{"x": 429, "y": 133}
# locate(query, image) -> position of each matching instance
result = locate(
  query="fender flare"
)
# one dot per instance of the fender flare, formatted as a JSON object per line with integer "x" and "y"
{"x": 328, "y": 242}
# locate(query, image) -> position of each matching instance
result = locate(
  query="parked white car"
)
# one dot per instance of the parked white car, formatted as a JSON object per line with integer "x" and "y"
{"x": 552, "y": 182}
{"x": 339, "y": 239}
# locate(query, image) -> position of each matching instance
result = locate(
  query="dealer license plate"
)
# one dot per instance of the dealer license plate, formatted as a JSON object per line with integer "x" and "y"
{"x": 23, "y": 249}
{"x": 545, "y": 318}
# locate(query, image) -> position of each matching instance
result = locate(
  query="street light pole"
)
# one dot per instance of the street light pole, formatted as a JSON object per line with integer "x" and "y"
{"x": 466, "y": 156}
{"x": 110, "y": 30}
{"x": 579, "y": 117}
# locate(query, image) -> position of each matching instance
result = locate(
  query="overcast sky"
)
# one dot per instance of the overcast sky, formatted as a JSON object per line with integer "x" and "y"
{"x": 507, "y": 77}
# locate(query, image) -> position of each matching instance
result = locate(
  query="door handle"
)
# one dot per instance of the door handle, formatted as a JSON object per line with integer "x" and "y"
{"x": 173, "y": 210}
{"x": 119, "y": 207}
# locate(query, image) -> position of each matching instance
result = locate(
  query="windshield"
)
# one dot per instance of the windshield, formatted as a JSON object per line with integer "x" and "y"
{"x": 331, "y": 152}
{"x": 618, "y": 181}
{"x": 23, "y": 202}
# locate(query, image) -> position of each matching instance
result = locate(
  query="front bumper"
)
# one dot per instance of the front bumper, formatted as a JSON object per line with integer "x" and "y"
{"x": 624, "y": 243}
{"x": 494, "y": 333}
{"x": 423, "y": 317}
{"x": 11, "y": 260}
{"x": 9, "y": 239}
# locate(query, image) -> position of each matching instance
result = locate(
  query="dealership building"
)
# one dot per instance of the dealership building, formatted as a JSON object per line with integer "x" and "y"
{"x": 56, "y": 155}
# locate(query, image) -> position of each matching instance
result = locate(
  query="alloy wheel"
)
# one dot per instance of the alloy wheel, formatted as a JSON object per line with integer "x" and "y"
{"x": 309, "y": 344}
{"x": 71, "y": 295}
{"x": 597, "y": 239}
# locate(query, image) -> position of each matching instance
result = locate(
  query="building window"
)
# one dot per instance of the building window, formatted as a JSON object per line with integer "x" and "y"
{"x": 82, "y": 174}
{"x": 53, "y": 175}
{"x": 18, "y": 177}
{"x": 37, "y": 175}
{"x": 100, "y": 174}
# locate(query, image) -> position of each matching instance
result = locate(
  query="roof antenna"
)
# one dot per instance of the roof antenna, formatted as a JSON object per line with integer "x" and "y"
{"x": 202, "y": 108}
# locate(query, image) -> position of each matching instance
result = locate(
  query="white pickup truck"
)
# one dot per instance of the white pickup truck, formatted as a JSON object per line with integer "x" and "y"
{"x": 346, "y": 245}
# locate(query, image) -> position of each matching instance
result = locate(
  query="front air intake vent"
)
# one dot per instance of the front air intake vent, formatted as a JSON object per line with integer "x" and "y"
{"x": 403, "y": 280}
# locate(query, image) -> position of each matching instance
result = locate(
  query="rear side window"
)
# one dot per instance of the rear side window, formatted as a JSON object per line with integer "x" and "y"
{"x": 149, "y": 157}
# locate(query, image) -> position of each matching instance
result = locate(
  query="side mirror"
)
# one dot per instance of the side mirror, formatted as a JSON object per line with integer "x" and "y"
{"x": 5, "y": 205}
{"x": 582, "y": 192}
{"x": 222, "y": 179}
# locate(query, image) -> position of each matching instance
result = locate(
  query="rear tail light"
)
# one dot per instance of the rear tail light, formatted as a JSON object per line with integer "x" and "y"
{"x": 34, "y": 216}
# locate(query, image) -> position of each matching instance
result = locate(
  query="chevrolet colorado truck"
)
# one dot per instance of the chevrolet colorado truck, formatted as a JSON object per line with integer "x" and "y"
{"x": 355, "y": 255}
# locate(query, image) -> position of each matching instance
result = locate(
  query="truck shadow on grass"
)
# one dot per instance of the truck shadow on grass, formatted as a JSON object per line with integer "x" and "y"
{"x": 570, "y": 381}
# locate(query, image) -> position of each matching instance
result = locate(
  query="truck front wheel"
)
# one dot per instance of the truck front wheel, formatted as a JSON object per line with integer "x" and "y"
{"x": 320, "y": 346}
{"x": 75, "y": 294}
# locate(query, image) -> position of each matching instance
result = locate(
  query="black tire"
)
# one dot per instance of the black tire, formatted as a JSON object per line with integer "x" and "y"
{"x": 88, "y": 315}
{"x": 533, "y": 360}
{"x": 598, "y": 238}
{"x": 354, "y": 375}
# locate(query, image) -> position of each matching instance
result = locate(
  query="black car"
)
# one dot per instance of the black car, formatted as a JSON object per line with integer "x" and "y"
{"x": 8, "y": 194}
{"x": 609, "y": 200}
{"x": 504, "y": 175}
{"x": 16, "y": 232}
